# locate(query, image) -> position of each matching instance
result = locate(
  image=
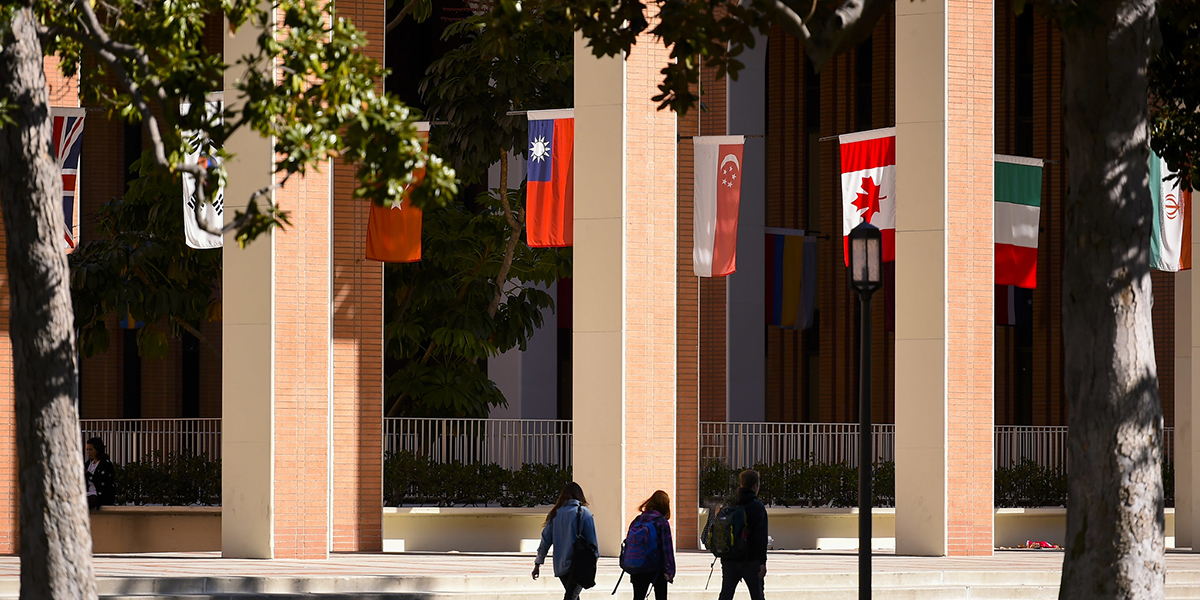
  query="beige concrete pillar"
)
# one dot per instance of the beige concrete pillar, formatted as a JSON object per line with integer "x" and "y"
{"x": 944, "y": 277}
{"x": 1185, "y": 403}
{"x": 247, "y": 389}
{"x": 276, "y": 392}
{"x": 624, "y": 311}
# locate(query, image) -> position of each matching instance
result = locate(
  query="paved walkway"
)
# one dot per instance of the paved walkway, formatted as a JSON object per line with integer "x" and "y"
{"x": 202, "y": 564}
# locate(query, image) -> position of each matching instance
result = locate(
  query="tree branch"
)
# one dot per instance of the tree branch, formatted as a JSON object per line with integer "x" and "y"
{"x": 511, "y": 248}
{"x": 847, "y": 26}
{"x": 184, "y": 325}
{"x": 408, "y": 8}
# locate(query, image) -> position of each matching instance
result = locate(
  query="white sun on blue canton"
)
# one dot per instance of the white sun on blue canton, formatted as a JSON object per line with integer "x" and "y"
{"x": 539, "y": 149}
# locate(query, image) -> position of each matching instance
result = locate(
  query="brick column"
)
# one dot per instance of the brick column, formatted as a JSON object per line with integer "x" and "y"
{"x": 10, "y": 508}
{"x": 625, "y": 286}
{"x": 276, "y": 360}
{"x": 1185, "y": 408}
{"x": 944, "y": 277}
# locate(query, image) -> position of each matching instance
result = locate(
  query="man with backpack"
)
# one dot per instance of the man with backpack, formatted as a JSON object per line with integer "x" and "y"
{"x": 738, "y": 536}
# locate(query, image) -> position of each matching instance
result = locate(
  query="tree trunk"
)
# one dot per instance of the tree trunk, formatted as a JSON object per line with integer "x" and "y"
{"x": 1115, "y": 496}
{"x": 56, "y": 541}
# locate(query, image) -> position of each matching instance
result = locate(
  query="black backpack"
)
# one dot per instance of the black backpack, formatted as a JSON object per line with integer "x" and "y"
{"x": 727, "y": 533}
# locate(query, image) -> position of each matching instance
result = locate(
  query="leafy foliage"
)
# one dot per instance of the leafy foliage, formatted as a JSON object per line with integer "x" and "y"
{"x": 175, "y": 479}
{"x": 1028, "y": 484}
{"x": 800, "y": 483}
{"x": 409, "y": 478}
{"x": 438, "y": 331}
{"x": 318, "y": 102}
{"x": 140, "y": 268}
{"x": 473, "y": 88}
{"x": 479, "y": 290}
{"x": 1174, "y": 81}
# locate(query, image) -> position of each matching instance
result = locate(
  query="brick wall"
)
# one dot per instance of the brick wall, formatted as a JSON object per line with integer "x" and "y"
{"x": 812, "y": 374}
{"x": 302, "y": 380}
{"x": 970, "y": 278}
{"x": 650, "y": 264}
{"x": 792, "y": 395}
{"x": 687, "y": 348}
{"x": 713, "y": 290}
{"x": 357, "y": 345}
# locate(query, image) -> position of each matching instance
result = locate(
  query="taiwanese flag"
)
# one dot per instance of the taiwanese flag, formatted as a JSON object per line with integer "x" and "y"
{"x": 869, "y": 185}
{"x": 394, "y": 232}
{"x": 718, "y": 193}
{"x": 550, "y": 192}
{"x": 68, "y": 142}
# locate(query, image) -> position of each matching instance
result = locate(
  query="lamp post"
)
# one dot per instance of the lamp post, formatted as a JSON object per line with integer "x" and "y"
{"x": 866, "y": 276}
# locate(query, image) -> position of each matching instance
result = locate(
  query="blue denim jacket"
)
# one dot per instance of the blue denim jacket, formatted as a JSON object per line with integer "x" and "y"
{"x": 561, "y": 533}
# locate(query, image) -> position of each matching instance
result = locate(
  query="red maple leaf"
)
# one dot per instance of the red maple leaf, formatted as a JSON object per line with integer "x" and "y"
{"x": 867, "y": 201}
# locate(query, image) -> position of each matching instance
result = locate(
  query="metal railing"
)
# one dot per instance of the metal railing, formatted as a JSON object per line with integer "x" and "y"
{"x": 129, "y": 440}
{"x": 742, "y": 445}
{"x": 509, "y": 443}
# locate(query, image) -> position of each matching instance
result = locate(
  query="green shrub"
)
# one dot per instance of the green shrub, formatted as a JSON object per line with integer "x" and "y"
{"x": 1168, "y": 475}
{"x": 799, "y": 483}
{"x": 409, "y": 478}
{"x": 176, "y": 479}
{"x": 1029, "y": 484}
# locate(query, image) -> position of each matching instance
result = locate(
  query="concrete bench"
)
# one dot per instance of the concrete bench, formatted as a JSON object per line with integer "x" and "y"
{"x": 130, "y": 529}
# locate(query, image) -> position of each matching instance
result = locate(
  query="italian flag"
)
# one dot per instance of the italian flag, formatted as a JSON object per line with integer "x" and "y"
{"x": 1171, "y": 236}
{"x": 1018, "y": 204}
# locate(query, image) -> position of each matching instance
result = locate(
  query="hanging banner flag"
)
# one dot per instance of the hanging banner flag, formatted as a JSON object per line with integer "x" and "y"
{"x": 394, "y": 232}
{"x": 791, "y": 278}
{"x": 718, "y": 190}
{"x": 68, "y": 144}
{"x": 1171, "y": 236}
{"x": 212, "y": 211}
{"x": 869, "y": 186}
{"x": 550, "y": 191}
{"x": 1014, "y": 305}
{"x": 1018, "y": 209}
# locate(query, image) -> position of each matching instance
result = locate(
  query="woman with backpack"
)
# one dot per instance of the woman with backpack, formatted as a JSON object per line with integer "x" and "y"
{"x": 568, "y": 521}
{"x": 648, "y": 554}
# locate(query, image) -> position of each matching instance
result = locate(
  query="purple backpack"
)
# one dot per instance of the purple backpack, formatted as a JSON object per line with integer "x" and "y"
{"x": 640, "y": 552}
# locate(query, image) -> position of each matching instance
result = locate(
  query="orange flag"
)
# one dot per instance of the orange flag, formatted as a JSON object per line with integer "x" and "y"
{"x": 394, "y": 233}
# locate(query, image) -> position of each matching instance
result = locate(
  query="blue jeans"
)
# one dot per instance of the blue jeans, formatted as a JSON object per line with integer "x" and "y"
{"x": 733, "y": 572}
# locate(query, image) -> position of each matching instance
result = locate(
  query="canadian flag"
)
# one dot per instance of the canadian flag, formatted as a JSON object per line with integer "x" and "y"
{"x": 869, "y": 185}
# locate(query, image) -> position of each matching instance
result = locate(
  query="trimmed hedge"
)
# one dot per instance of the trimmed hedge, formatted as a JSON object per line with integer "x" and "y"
{"x": 800, "y": 483}
{"x": 416, "y": 480}
{"x": 176, "y": 479}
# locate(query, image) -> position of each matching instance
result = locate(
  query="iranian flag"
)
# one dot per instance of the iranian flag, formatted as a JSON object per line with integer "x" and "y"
{"x": 1171, "y": 236}
{"x": 1018, "y": 204}
{"x": 869, "y": 185}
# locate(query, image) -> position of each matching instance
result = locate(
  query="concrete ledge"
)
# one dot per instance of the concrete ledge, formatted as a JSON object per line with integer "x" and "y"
{"x": 465, "y": 529}
{"x": 1014, "y": 526}
{"x": 127, "y": 529}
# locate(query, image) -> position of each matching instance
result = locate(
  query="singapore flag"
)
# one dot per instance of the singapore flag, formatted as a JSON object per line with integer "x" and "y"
{"x": 869, "y": 185}
{"x": 718, "y": 172}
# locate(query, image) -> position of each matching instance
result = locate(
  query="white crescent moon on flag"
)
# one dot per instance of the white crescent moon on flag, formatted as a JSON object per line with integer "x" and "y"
{"x": 730, "y": 158}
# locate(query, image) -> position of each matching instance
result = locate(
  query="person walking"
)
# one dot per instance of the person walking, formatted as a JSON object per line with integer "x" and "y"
{"x": 100, "y": 475}
{"x": 566, "y": 520}
{"x": 655, "y": 518}
{"x": 752, "y": 566}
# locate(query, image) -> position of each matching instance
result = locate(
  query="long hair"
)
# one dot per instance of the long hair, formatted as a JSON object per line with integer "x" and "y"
{"x": 658, "y": 501}
{"x": 98, "y": 444}
{"x": 571, "y": 491}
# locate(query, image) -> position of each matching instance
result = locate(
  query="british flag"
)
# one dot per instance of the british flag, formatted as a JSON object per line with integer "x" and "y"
{"x": 68, "y": 142}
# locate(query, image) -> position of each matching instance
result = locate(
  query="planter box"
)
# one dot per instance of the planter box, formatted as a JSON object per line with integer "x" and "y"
{"x": 1014, "y": 526}
{"x": 462, "y": 529}
{"x": 128, "y": 529}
